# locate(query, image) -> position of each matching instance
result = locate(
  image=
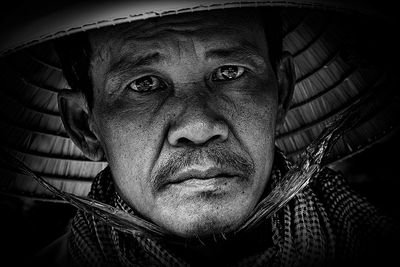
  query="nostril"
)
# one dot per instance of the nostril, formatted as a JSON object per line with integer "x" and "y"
{"x": 184, "y": 142}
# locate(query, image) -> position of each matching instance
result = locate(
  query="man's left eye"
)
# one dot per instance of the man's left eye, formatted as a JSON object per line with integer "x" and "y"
{"x": 227, "y": 73}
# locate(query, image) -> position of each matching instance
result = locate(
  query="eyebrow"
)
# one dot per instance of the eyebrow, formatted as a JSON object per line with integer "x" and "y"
{"x": 241, "y": 52}
{"x": 127, "y": 63}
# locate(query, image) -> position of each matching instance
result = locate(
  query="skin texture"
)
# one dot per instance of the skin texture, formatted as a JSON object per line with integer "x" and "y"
{"x": 194, "y": 154}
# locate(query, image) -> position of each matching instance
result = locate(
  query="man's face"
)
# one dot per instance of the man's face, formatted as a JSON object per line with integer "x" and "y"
{"x": 185, "y": 110}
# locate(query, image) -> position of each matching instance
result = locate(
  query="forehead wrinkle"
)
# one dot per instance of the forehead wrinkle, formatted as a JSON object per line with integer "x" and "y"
{"x": 167, "y": 40}
{"x": 201, "y": 33}
{"x": 210, "y": 22}
{"x": 191, "y": 22}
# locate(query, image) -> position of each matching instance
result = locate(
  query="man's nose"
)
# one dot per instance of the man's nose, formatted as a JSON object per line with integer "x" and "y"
{"x": 197, "y": 125}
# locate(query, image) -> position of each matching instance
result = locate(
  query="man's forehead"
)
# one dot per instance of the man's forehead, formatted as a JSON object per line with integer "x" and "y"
{"x": 207, "y": 27}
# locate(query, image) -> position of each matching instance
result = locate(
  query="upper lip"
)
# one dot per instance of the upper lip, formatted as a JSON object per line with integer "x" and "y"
{"x": 213, "y": 172}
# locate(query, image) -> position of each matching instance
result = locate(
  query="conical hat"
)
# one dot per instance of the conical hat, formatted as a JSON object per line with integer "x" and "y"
{"x": 341, "y": 53}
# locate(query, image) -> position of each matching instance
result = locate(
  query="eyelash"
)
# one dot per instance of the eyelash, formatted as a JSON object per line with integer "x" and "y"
{"x": 217, "y": 75}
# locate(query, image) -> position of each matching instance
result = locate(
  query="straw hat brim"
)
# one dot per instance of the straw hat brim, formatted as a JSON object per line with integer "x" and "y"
{"x": 333, "y": 67}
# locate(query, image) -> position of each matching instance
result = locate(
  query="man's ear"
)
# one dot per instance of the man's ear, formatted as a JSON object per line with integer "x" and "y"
{"x": 286, "y": 82}
{"x": 75, "y": 116}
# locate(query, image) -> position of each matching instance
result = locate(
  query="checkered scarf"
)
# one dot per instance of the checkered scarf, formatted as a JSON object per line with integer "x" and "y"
{"x": 324, "y": 224}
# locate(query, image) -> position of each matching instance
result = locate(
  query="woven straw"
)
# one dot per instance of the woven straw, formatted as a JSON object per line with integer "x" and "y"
{"x": 331, "y": 73}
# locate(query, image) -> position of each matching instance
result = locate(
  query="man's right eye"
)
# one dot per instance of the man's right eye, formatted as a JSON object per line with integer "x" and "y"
{"x": 146, "y": 84}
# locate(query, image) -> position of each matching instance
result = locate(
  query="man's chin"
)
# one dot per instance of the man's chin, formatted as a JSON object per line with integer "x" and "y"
{"x": 203, "y": 228}
{"x": 203, "y": 221}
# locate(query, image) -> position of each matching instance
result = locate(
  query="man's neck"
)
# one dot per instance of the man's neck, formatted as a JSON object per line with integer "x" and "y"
{"x": 220, "y": 250}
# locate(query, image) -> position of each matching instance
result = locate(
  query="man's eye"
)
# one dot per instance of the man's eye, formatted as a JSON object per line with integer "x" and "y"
{"x": 146, "y": 84}
{"x": 227, "y": 73}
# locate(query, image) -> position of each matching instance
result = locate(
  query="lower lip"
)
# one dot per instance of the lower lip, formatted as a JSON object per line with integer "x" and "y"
{"x": 206, "y": 184}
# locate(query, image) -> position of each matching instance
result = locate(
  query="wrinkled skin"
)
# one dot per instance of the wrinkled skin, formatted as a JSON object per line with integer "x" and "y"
{"x": 194, "y": 152}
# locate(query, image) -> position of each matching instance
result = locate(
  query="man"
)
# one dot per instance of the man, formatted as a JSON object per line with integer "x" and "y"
{"x": 184, "y": 109}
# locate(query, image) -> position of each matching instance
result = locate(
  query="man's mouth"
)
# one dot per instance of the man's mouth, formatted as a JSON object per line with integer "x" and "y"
{"x": 196, "y": 174}
{"x": 199, "y": 177}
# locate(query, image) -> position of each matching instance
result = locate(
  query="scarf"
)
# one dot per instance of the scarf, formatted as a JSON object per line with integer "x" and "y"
{"x": 325, "y": 224}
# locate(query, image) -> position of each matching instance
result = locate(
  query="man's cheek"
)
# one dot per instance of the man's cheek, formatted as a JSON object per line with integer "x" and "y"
{"x": 253, "y": 94}
{"x": 254, "y": 122}
{"x": 259, "y": 105}
{"x": 255, "y": 113}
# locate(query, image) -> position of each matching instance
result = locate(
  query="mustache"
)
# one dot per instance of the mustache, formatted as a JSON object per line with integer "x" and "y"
{"x": 221, "y": 156}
